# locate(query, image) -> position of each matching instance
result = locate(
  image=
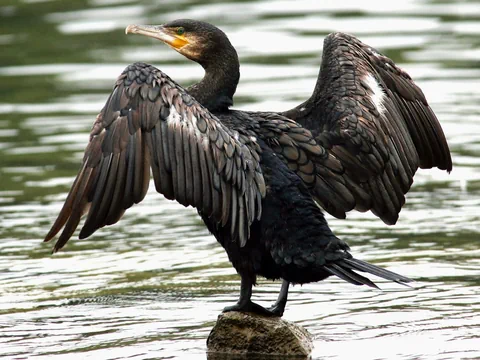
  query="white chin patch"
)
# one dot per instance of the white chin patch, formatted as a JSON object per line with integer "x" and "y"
{"x": 377, "y": 97}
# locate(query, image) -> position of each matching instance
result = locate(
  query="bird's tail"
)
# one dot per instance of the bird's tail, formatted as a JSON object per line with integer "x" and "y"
{"x": 345, "y": 269}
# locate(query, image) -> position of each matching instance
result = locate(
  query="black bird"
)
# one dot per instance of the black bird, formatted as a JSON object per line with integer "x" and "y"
{"x": 254, "y": 176}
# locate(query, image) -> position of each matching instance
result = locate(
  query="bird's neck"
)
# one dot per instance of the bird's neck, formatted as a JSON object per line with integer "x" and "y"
{"x": 215, "y": 91}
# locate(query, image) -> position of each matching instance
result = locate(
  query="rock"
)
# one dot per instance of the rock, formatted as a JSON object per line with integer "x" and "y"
{"x": 242, "y": 333}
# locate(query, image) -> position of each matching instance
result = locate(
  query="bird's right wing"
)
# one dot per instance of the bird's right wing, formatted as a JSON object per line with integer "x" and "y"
{"x": 151, "y": 122}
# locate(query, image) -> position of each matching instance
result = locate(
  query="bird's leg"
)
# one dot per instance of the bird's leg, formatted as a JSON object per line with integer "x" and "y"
{"x": 279, "y": 307}
{"x": 245, "y": 304}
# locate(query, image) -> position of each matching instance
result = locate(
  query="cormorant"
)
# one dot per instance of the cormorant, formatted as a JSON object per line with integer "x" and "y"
{"x": 255, "y": 177}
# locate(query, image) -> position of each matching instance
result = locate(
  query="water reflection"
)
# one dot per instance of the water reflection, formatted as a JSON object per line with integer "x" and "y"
{"x": 153, "y": 285}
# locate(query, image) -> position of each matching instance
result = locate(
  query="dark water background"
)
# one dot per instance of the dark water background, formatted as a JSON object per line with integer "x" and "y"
{"x": 153, "y": 285}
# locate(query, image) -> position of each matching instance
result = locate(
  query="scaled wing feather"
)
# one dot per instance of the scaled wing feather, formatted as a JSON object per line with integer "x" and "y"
{"x": 151, "y": 122}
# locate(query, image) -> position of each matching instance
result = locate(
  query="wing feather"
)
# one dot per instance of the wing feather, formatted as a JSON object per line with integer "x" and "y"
{"x": 149, "y": 122}
{"x": 189, "y": 179}
{"x": 369, "y": 115}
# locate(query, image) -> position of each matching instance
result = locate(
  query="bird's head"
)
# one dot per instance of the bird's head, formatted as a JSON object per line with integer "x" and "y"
{"x": 197, "y": 40}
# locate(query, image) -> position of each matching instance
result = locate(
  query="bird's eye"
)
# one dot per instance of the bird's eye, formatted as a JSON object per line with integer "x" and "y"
{"x": 180, "y": 31}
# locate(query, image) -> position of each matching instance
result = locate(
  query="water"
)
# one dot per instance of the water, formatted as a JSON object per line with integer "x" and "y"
{"x": 152, "y": 285}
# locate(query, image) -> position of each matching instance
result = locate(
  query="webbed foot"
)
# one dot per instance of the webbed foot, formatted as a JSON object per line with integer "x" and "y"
{"x": 276, "y": 309}
{"x": 251, "y": 307}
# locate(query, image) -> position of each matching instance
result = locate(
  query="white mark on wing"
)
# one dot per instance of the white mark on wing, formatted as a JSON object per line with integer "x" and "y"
{"x": 374, "y": 52}
{"x": 377, "y": 95}
{"x": 174, "y": 117}
{"x": 302, "y": 109}
{"x": 194, "y": 128}
{"x": 253, "y": 138}
{"x": 205, "y": 141}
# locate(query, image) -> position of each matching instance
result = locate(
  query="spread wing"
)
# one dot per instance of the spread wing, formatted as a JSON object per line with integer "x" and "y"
{"x": 376, "y": 126}
{"x": 149, "y": 122}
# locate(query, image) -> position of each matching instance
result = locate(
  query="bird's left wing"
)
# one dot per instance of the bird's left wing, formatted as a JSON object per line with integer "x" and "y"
{"x": 151, "y": 122}
{"x": 376, "y": 126}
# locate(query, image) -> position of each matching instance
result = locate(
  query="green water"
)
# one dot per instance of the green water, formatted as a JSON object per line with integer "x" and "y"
{"x": 152, "y": 285}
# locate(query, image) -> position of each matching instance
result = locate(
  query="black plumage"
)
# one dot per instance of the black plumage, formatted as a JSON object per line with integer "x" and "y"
{"x": 255, "y": 177}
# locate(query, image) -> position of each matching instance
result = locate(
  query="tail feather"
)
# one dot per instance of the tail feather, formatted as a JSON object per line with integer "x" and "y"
{"x": 364, "y": 266}
{"x": 345, "y": 269}
{"x": 349, "y": 275}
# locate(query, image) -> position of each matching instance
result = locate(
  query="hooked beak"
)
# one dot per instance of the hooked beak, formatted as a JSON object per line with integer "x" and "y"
{"x": 160, "y": 33}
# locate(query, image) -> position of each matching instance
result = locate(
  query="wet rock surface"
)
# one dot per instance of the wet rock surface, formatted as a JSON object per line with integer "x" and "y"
{"x": 242, "y": 333}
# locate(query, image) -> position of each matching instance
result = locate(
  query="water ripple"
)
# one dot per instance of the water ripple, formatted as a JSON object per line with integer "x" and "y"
{"x": 152, "y": 285}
